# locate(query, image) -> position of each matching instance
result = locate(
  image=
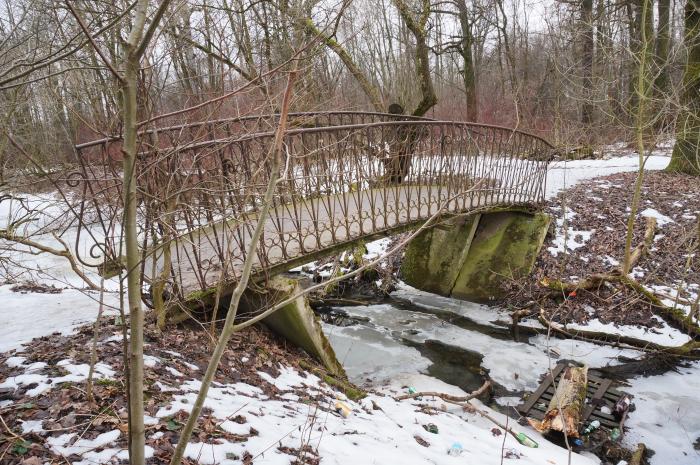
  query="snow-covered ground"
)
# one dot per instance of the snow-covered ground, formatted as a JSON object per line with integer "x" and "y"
{"x": 564, "y": 174}
{"x": 667, "y": 417}
{"x": 377, "y": 429}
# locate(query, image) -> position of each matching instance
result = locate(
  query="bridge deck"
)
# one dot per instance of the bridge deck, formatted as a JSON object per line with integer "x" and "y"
{"x": 301, "y": 231}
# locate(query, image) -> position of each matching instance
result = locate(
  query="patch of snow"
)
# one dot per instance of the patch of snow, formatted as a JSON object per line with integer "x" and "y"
{"x": 366, "y": 435}
{"x": 175, "y": 372}
{"x": 667, "y": 417}
{"x": 44, "y": 314}
{"x": 60, "y": 444}
{"x": 665, "y": 335}
{"x": 191, "y": 366}
{"x": 568, "y": 239}
{"x": 377, "y": 248}
{"x": 32, "y": 426}
{"x": 289, "y": 379}
{"x": 76, "y": 373}
{"x": 661, "y": 219}
{"x": 565, "y": 174}
{"x": 165, "y": 387}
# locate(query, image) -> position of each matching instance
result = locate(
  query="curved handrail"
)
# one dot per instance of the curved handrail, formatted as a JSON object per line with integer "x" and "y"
{"x": 320, "y": 129}
{"x": 238, "y": 119}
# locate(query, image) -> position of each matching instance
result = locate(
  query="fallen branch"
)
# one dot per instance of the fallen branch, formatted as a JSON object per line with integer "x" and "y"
{"x": 671, "y": 315}
{"x": 621, "y": 341}
{"x": 65, "y": 253}
{"x": 447, "y": 397}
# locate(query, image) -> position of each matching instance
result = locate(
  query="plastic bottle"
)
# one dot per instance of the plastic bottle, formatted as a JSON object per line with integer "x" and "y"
{"x": 615, "y": 434}
{"x": 592, "y": 426}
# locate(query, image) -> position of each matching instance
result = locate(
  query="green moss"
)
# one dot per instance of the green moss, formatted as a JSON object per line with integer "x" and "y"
{"x": 342, "y": 384}
{"x": 470, "y": 257}
{"x": 203, "y": 295}
{"x": 505, "y": 247}
{"x": 107, "y": 382}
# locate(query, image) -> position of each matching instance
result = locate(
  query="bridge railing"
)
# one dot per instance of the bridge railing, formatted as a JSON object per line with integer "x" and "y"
{"x": 339, "y": 184}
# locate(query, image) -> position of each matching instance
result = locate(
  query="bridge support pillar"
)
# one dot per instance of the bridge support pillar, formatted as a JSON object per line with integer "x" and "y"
{"x": 471, "y": 257}
{"x": 296, "y": 321}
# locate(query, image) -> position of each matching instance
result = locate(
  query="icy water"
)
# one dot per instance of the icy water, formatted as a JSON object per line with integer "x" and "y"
{"x": 458, "y": 342}
{"x": 461, "y": 343}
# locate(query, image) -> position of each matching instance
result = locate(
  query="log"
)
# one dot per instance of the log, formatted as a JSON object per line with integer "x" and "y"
{"x": 638, "y": 455}
{"x": 565, "y": 408}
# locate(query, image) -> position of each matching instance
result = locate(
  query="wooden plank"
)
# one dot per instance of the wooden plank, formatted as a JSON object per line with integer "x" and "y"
{"x": 598, "y": 394}
{"x": 535, "y": 396}
{"x": 596, "y": 399}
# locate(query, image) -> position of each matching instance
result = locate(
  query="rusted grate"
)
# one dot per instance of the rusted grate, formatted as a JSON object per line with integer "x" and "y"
{"x": 599, "y": 395}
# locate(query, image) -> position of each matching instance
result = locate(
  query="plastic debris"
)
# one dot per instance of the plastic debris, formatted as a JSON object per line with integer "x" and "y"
{"x": 622, "y": 406}
{"x": 431, "y": 428}
{"x": 342, "y": 409}
{"x": 455, "y": 449}
{"x": 615, "y": 434}
{"x": 592, "y": 426}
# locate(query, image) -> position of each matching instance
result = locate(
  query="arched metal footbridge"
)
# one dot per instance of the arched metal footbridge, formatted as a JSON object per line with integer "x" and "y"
{"x": 347, "y": 176}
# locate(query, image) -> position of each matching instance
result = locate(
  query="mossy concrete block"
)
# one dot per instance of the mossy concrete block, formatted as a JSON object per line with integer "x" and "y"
{"x": 505, "y": 246}
{"x": 296, "y": 321}
{"x": 433, "y": 259}
{"x": 470, "y": 257}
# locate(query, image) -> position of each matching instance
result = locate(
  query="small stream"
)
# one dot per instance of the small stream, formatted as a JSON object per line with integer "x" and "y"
{"x": 461, "y": 343}
{"x": 457, "y": 342}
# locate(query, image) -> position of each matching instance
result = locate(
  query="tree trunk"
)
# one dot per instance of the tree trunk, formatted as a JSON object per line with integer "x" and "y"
{"x": 663, "y": 45}
{"x": 565, "y": 408}
{"x": 417, "y": 27}
{"x": 587, "y": 46}
{"x": 133, "y": 259}
{"x": 369, "y": 89}
{"x": 642, "y": 88}
{"x": 686, "y": 152}
{"x": 469, "y": 72}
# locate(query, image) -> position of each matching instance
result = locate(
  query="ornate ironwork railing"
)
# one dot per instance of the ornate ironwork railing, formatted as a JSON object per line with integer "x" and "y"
{"x": 200, "y": 199}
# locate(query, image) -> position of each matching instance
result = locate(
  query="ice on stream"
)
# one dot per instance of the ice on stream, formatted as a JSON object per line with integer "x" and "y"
{"x": 667, "y": 417}
{"x": 515, "y": 365}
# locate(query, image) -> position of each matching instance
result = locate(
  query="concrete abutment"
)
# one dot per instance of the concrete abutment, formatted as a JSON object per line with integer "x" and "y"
{"x": 471, "y": 257}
